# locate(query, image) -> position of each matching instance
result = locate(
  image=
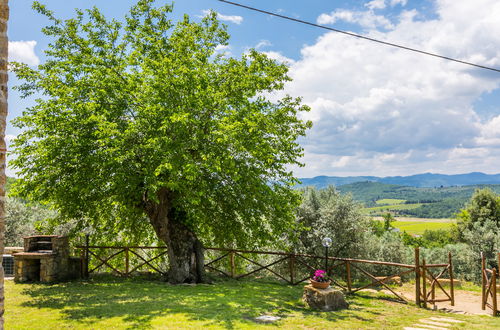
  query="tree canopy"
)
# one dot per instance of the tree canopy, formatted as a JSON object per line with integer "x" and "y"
{"x": 143, "y": 117}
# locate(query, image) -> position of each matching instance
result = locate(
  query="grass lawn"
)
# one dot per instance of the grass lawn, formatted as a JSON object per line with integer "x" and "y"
{"x": 112, "y": 303}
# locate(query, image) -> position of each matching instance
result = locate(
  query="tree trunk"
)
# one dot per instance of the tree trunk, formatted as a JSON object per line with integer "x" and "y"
{"x": 185, "y": 251}
{"x": 4, "y": 45}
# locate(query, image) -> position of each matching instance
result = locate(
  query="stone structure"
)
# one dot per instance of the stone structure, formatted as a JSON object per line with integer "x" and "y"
{"x": 46, "y": 259}
{"x": 328, "y": 299}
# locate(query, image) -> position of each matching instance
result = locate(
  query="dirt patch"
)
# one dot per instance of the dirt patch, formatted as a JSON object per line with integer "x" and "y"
{"x": 466, "y": 302}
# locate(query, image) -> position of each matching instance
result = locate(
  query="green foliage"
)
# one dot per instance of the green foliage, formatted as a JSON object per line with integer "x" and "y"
{"x": 430, "y": 238}
{"x": 327, "y": 213}
{"x": 388, "y": 220}
{"x": 133, "y": 108}
{"x": 483, "y": 207}
{"x": 479, "y": 225}
{"x": 377, "y": 227}
{"x": 22, "y": 219}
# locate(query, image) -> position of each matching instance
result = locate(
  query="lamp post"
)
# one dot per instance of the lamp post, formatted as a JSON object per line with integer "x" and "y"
{"x": 327, "y": 242}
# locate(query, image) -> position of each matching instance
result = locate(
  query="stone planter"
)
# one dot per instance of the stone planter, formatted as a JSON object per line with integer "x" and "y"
{"x": 324, "y": 299}
{"x": 320, "y": 285}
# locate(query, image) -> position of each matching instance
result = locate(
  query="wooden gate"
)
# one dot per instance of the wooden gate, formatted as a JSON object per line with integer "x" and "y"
{"x": 429, "y": 282}
{"x": 489, "y": 286}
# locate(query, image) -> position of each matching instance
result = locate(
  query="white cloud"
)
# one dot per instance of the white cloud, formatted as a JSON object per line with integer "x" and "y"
{"x": 279, "y": 57}
{"x": 398, "y": 2}
{"x": 366, "y": 19}
{"x": 228, "y": 18}
{"x": 385, "y": 111}
{"x": 375, "y": 4}
{"x": 23, "y": 51}
{"x": 263, "y": 44}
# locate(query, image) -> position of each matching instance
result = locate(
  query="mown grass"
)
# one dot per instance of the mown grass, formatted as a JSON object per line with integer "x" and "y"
{"x": 112, "y": 303}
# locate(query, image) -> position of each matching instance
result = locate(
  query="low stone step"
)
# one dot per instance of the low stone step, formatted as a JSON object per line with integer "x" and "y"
{"x": 428, "y": 326}
{"x": 439, "y": 324}
{"x": 445, "y": 319}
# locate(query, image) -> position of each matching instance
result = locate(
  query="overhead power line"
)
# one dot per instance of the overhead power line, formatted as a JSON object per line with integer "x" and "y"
{"x": 361, "y": 37}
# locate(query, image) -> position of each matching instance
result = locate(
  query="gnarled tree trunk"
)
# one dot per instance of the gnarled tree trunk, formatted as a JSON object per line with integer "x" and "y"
{"x": 4, "y": 46}
{"x": 185, "y": 251}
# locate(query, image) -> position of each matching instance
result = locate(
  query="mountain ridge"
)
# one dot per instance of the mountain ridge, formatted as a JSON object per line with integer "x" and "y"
{"x": 423, "y": 180}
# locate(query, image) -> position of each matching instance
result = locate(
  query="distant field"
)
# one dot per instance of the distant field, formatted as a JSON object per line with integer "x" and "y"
{"x": 378, "y": 210}
{"x": 390, "y": 201}
{"x": 417, "y": 226}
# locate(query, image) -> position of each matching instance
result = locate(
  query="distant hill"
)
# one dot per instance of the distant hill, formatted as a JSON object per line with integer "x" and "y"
{"x": 427, "y": 180}
{"x": 418, "y": 202}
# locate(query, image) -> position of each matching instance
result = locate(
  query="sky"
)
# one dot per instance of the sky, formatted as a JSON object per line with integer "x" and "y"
{"x": 376, "y": 110}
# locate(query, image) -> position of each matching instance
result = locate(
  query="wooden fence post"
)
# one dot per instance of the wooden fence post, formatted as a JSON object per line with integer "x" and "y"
{"x": 494, "y": 289}
{"x": 424, "y": 283}
{"x": 291, "y": 266}
{"x": 87, "y": 239}
{"x": 483, "y": 283}
{"x": 348, "y": 271}
{"x": 126, "y": 261}
{"x": 232, "y": 264}
{"x": 452, "y": 285}
{"x": 417, "y": 277}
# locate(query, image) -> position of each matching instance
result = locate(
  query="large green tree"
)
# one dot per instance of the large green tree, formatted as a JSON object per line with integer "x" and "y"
{"x": 143, "y": 117}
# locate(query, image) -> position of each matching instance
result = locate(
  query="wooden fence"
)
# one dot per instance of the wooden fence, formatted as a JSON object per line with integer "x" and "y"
{"x": 344, "y": 266}
{"x": 131, "y": 259}
{"x": 489, "y": 286}
{"x": 293, "y": 268}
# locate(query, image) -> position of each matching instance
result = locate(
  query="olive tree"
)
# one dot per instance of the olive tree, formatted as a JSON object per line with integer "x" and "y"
{"x": 142, "y": 117}
{"x": 328, "y": 213}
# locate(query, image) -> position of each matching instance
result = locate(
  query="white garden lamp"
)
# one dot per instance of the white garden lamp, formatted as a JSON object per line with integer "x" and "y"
{"x": 327, "y": 242}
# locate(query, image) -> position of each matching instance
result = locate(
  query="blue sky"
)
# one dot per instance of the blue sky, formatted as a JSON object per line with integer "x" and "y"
{"x": 376, "y": 110}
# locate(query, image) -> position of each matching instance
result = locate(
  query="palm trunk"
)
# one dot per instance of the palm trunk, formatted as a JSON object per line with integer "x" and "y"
{"x": 185, "y": 251}
{"x": 4, "y": 46}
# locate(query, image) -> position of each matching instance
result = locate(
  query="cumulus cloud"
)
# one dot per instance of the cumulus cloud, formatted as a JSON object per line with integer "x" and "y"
{"x": 279, "y": 57}
{"x": 385, "y": 111}
{"x": 398, "y": 2}
{"x": 366, "y": 19}
{"x": 228, "y": 18}
{"x": 376, "y": 4}
{"x": 23, "y": 51}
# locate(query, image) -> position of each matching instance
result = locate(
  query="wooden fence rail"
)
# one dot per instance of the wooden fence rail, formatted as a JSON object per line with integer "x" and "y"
{"x": 295, "y": 268}
{"x": 489, "y": 286}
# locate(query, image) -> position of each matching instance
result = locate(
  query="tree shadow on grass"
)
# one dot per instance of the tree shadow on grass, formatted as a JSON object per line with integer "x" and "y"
{"x": 138, "y": 302}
